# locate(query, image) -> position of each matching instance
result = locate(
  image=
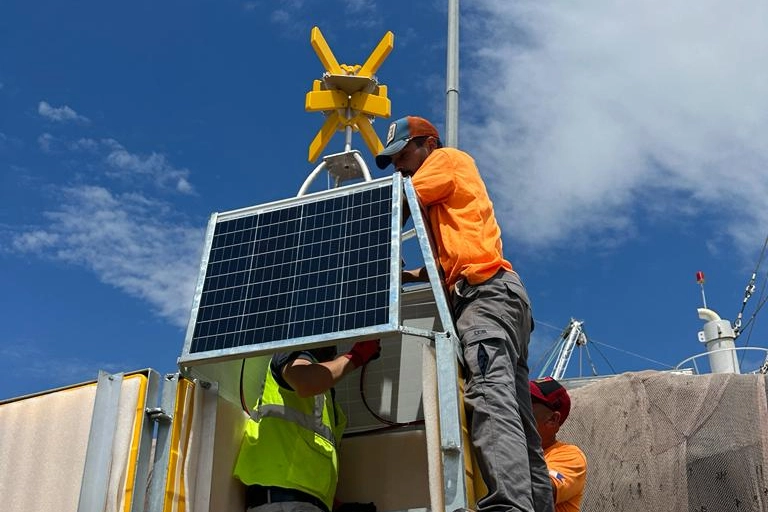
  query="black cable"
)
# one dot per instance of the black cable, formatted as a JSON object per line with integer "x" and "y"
{"x": 749, "y": 289}
{"x": 606, "y": 359}
{"x": 759, "y": 307}
{"x": 760, "y": 304}
{"x": 390, "y": 424}
{"x": 242, "y": 390}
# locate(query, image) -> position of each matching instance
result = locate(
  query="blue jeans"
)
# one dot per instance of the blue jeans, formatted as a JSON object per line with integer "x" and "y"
{"x": 493, "y": 321}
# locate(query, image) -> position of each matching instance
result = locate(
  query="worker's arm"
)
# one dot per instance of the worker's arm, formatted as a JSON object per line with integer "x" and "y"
{"x": 567, "y": 472}
{"x": 308, "y": 378}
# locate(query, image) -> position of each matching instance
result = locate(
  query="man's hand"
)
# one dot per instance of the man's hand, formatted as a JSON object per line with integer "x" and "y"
{"x": 364, "y": 351}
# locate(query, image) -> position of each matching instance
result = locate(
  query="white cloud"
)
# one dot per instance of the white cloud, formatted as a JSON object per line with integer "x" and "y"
{"x": 122, "y": 239}
{"x": 359, "y": 6}
{"x": 45, "y": 141}
{"x": 584, "y": 115}
{"x": 84, "y": 144}
{"x": 35, "y": 241}
{"x": 155, "y": 167}
{"x": 59, "y": 114}
{"x": 292, "y": 15}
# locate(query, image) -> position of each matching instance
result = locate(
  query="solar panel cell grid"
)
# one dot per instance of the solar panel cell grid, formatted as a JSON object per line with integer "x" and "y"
{"x": 301, "y": 270}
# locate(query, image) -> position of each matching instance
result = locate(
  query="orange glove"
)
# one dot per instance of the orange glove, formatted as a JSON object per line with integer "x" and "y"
{"x": 364, "y": 351}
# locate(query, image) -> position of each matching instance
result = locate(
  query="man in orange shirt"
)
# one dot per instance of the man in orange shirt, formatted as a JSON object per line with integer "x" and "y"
{"x": 566, "y": 462}
{"x": 491, "y": 309}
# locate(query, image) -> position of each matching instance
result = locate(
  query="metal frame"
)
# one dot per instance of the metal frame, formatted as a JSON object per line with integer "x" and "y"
{"x": 99, "y": 453}
{"x": 162, "y": 415}
{"x": 144, "y": 462}
{"x": 447, "y": 353}
{"x": 341, "y": 167}
{"x": 209, "y": 396}
{"x": 445, "y": 343}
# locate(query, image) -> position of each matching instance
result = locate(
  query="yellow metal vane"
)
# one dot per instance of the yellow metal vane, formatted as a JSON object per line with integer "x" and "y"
{"x": 349, "y": 96}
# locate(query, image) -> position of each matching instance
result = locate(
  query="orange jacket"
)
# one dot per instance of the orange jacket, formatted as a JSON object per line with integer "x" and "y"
{"x": 461, "y": 216}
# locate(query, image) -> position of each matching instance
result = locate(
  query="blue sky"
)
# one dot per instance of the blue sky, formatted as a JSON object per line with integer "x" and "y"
{"x": 625, "y": 147}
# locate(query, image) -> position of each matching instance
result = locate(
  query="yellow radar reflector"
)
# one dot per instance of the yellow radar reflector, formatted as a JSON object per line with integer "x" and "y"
{"x": 349, "y": 95}
{"x": 323, "y": 137}
{"x": 324, "y": 52}
{"x": 369, "y": 134}
{"x": 371, "y": 104}
{"x": 378, "y": 55}
{"x": 318, "y": 101}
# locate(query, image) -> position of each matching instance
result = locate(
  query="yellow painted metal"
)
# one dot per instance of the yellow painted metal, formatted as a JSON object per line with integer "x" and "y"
{"x": 318, "y": 101}
{"x": 324, "y": 52}
{"x": 351, "y": 70}
{"x": 183, "y": 414}
{"x": 371, "y": 104}
{"x": 348, "y": 94}
{"x": 323, "y": 137}
{"x": 378, "y": 55}
{"x": 369, "y": 134}
{"x": 141, "y": 405}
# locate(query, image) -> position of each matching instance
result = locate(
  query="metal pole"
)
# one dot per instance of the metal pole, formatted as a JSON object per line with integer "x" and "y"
{"x": 452, "y": 77}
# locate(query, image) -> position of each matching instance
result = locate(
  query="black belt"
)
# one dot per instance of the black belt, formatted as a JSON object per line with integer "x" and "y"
{"x": 256, "y": 495}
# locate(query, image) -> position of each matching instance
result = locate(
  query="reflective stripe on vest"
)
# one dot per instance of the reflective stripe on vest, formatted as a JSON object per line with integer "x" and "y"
{"x": 305, "y": 421}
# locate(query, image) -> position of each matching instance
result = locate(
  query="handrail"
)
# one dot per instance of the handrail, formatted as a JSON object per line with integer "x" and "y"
{"x": 732, "y": 349}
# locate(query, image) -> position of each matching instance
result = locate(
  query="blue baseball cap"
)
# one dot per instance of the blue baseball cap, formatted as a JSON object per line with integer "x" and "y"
{"x": 400, "y": 133}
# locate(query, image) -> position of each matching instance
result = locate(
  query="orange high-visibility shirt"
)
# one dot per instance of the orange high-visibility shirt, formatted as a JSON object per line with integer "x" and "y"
{"x": 461, "y": 216}
{"x": 568, "y": 471}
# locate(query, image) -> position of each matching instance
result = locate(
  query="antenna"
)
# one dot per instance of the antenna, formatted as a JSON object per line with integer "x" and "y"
{"x": 700, "y": 280}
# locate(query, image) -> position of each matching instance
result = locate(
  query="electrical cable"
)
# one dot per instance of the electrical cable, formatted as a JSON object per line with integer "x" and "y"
{"x": 633, "y": 354}
{"x": 242, "y": 390}
{"x": 380, "y": 419}
{"x": 606, "y": 359}
{"x": 749, "y": 290}
{"x": 389, "y": 424}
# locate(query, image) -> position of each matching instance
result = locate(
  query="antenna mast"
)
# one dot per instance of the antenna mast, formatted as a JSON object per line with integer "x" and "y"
{"x": 452, "y": 77}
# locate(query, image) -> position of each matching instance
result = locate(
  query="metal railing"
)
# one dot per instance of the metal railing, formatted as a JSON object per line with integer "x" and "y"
{"x": 744, "y": 362}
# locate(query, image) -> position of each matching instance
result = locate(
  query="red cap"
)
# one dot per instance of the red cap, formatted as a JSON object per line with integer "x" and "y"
{"x": 549, "y": 392}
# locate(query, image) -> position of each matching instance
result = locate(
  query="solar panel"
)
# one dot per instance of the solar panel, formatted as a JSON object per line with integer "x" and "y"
{"x": 309, "y": 268}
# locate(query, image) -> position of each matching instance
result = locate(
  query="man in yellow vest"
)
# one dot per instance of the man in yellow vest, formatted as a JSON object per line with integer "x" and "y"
{"x": 288, "y": 456}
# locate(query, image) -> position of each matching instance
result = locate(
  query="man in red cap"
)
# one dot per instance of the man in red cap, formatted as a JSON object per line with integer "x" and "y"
{"x": 491, "y": 309}
{"x": 566, "y": 462}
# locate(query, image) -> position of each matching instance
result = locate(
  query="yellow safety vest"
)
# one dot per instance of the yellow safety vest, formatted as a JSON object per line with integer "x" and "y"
{"x": 290, "y": 442}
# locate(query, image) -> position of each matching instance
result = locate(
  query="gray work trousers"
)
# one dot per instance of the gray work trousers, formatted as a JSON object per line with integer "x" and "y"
{"x": 493, "y": 321}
